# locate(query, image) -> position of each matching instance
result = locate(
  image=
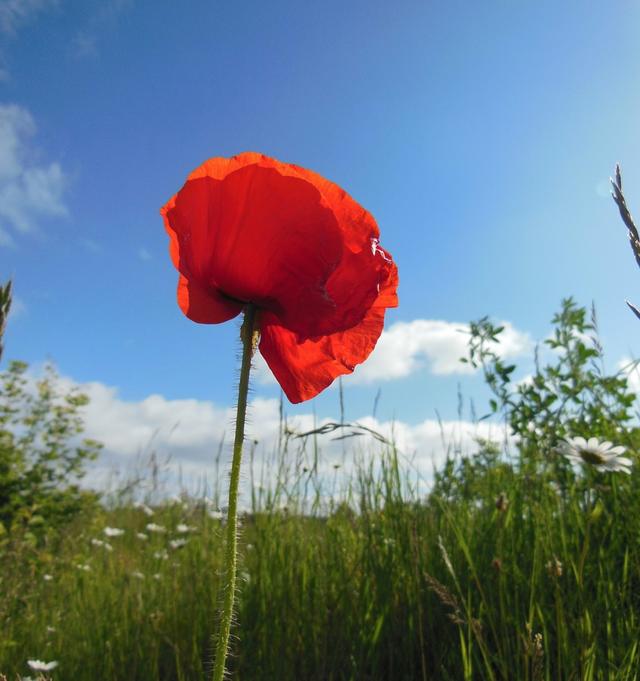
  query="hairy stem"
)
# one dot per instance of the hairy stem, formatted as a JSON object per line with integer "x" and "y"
{"x": 249, "y": 336}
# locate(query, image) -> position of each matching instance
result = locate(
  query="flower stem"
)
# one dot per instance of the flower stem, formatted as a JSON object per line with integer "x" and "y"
{"x": 249, "y": 335}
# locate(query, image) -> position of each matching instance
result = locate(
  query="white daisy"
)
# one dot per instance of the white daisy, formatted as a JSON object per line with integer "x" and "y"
{"x": 160, "y": 529}
{"x": 40, "y": 666}
{"x": 177, "y": 543}
{"x": 183, "y": 529}
{"x": 113, "y": 531}
{"x": 142, "y": 536}
{"x": 603, "y": 456}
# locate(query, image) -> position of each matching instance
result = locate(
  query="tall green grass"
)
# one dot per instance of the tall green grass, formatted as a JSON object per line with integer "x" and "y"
{"x": 498, "y": 574}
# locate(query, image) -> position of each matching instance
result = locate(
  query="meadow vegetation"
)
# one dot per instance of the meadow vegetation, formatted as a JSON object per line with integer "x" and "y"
{"x": 515, "y": 565}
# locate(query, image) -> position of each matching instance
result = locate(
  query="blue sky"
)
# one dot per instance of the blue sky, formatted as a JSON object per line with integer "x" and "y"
{"x": 480, "y": 135}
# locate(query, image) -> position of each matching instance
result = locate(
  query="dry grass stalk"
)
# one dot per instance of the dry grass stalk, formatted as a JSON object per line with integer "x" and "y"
{"x": 625, "y": 214}
{"x": 447, "y": 598}
{"x": 5, "y": 307}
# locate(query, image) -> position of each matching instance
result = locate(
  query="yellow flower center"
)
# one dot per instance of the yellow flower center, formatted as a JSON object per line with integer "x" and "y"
{"x": 589, "y": 456}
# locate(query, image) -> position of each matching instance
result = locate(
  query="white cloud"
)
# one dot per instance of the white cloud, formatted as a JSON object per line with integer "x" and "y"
{"x": 410, "y": 346}
{"x": 632, "y": 371}
{"x": 28, "y": 191}
{"x": 187, "y": 433}
{"x": 144, "y": 254}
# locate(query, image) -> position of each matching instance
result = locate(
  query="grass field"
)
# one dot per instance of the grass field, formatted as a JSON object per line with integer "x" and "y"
{"x": 498, "y": 574}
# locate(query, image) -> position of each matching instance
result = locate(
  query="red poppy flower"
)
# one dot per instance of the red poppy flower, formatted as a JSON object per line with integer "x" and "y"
{"x": 253, "y": 229}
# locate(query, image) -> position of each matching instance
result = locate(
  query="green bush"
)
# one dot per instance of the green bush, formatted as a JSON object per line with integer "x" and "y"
{"x": 42, "y": 456}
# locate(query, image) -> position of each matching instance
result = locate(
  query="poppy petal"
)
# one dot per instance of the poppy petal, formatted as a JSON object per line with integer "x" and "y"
{"x": 250, "y": 229}
{"x": 304, "y": 368}
{"x": 278, "y": 235}
{"x": 259, "y": 236}
{"x": 205, "y": 307}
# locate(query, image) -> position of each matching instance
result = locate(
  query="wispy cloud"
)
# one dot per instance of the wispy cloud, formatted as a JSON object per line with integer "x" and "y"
{"x": 28, "y": 191}
{"x": 103, "y": 17}
{"x": 84, "y": 44}
{"x": 91, "y": 245}
{"x": 144, "y": 254}
{"x": 14, "y": 14}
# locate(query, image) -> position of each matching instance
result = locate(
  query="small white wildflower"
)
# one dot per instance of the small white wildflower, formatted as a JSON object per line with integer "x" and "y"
{"x": 603, "y": 456}
{"x": 157, "y": 576}
{"x": 137, "y": 574}
{"x": 144, "y": 508}
{"x": 179, "y": 501}
{"x": 26, "y": 678}
{"x": 177, "y": 543}
{"x": 51, "y": 630}
{"x": 40, "y": 666}
{"x": 84, "y": 567}
{"x": 161, "y": 555}
{"x": 108, "y": 547}
{"x": 159, "y": 529}
{"x": 142, "y": 536}
{"x": 97, "y": 542}
{"x": 183, "y": 529}
{"x": 215, "y": 515}
{"x": 47, "y": 578}
{"x": 113, "y": 531}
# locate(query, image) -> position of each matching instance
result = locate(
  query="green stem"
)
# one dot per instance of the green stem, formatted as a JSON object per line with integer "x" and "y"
{"x": 249, "y": 336}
